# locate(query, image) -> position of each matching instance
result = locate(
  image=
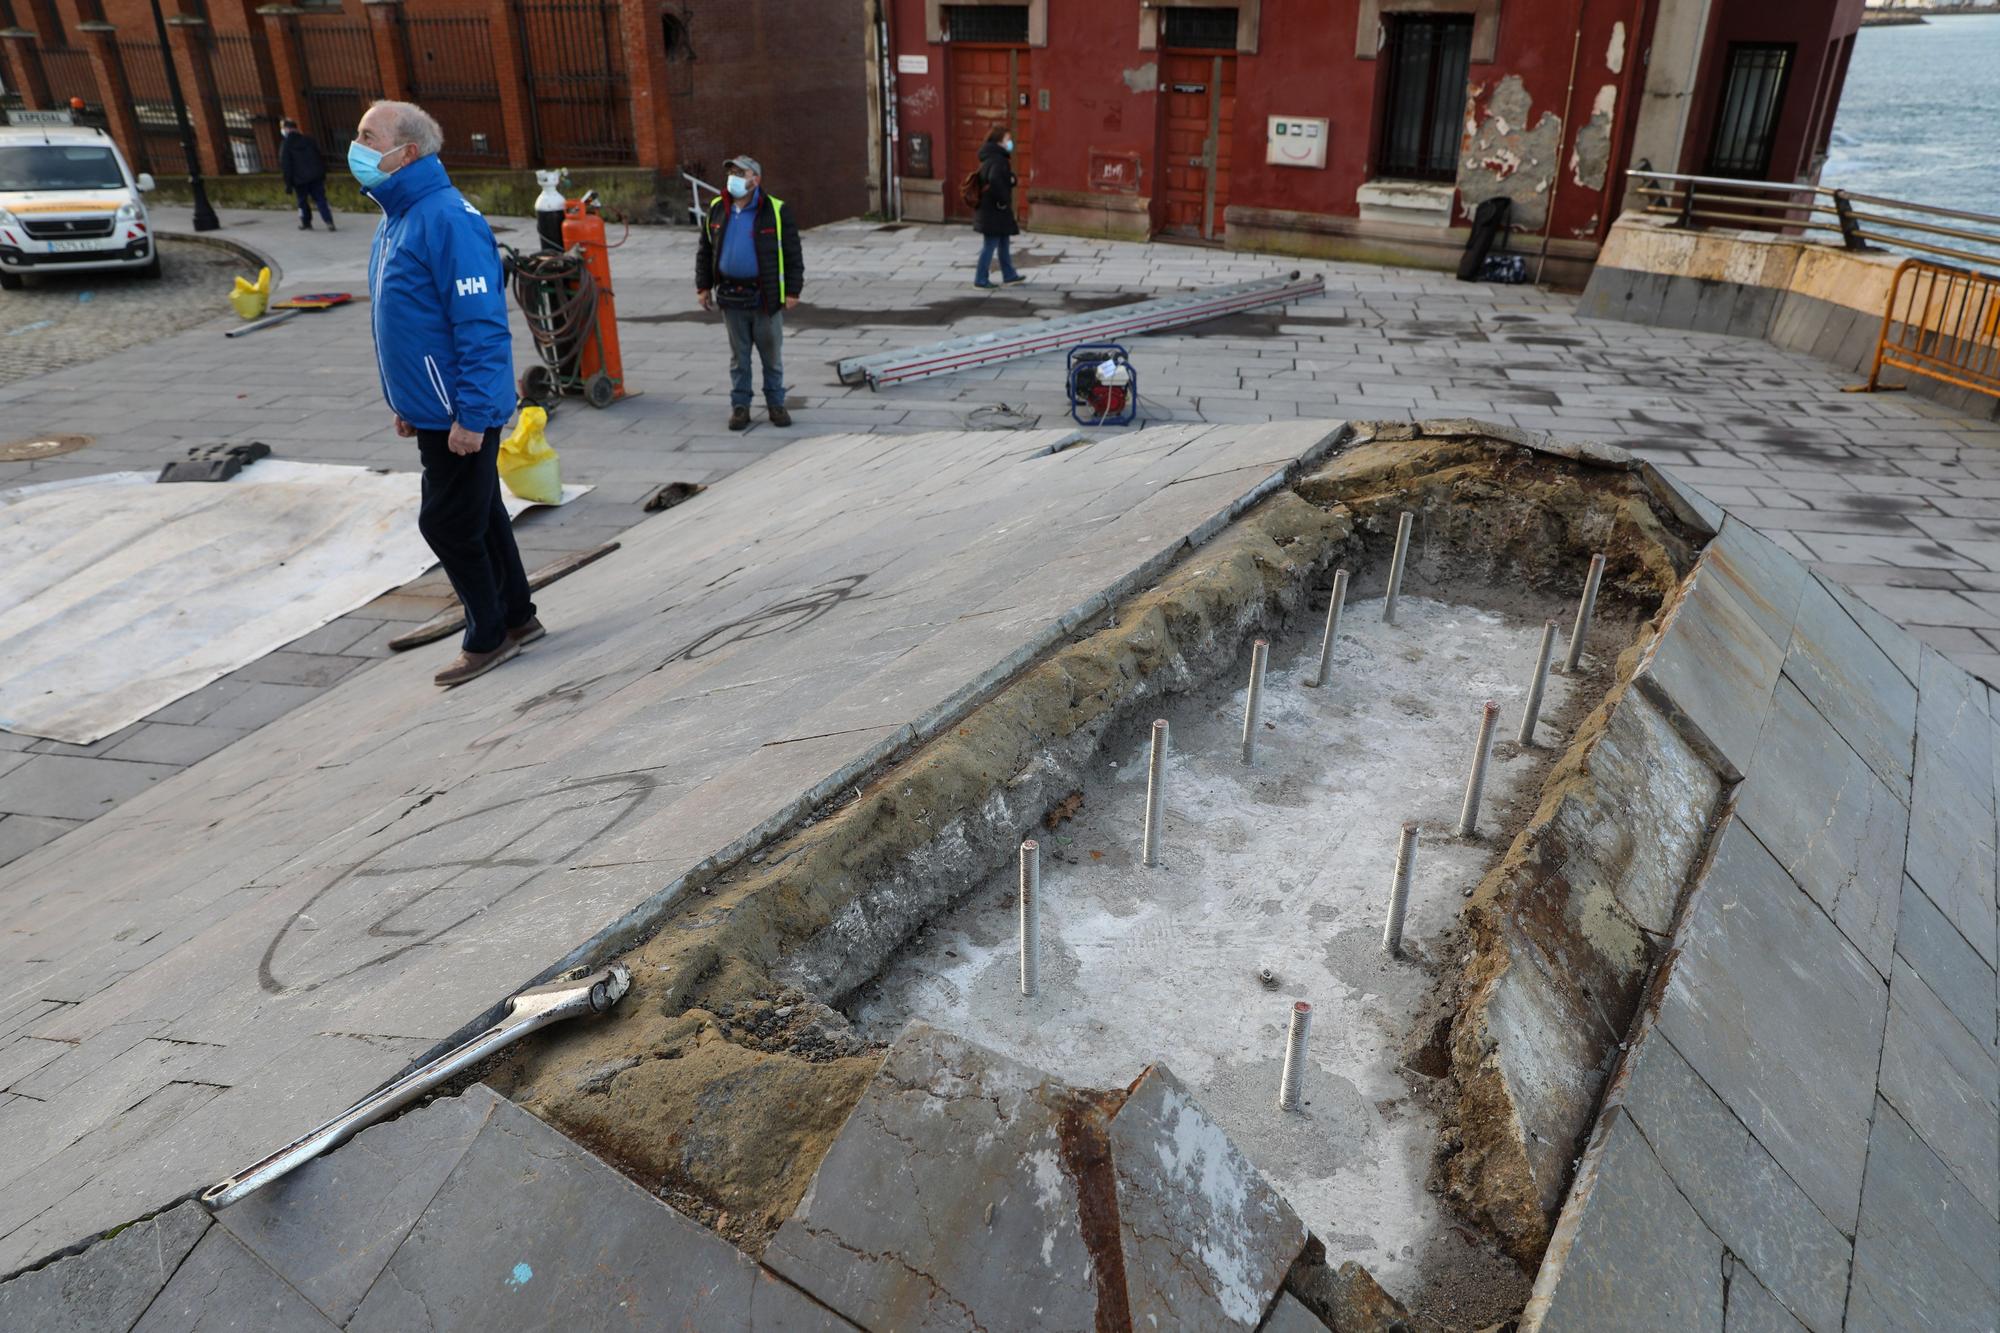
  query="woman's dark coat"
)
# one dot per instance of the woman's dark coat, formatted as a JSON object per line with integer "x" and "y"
{"x": 995, "y": 215}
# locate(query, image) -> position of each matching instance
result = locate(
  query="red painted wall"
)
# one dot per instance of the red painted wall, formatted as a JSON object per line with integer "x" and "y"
{"x": 1306, "y": 65}
{"x": 1819, "y": 29}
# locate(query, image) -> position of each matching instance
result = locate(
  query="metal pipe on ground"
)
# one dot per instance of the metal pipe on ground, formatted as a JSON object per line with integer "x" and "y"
{"x": 1156, "y": 792}
{"x": 1399, "y": 890}
{"x": 1259, "y": 655}
{"x": 1540, "y": 679}
{"x": 1291, "y": 1084}
{"x": 1475, "y": 784}
{"x": 1031, "y": 916}
{"x": 1332, "y": 628}
{"x": 1584, "y": 611}
{"x": 1396, "y": 563}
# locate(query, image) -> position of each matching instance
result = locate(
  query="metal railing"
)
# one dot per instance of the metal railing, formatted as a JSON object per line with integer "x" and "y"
{"x": 697, "y": 210}
{"x": 1858, "y": 221}
{"x": 1941, "y": 323}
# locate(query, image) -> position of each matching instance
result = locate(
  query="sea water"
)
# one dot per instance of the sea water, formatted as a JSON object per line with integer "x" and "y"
{"x": 1921, "y": 113}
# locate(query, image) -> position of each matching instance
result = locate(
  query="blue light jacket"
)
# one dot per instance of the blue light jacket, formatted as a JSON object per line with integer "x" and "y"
{"x": 439, "y": 305}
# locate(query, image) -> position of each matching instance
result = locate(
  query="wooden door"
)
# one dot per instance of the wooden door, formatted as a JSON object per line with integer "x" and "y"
{"x": 1200, "y": 123}
{"x": 989, "y": 86}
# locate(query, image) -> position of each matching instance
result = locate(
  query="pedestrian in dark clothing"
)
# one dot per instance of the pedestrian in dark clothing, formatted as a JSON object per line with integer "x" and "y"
{"x": 304, "y": 172}
{"x": 442, "y": 348}
{"x": 994, "y": 219}
{"x": 749, "y": 264}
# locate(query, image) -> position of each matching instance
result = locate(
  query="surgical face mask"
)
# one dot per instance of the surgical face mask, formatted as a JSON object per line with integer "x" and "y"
{"x": 1007, "y": 144}
{"x": 739, "y": 188}
{"x": 366, "y": 164}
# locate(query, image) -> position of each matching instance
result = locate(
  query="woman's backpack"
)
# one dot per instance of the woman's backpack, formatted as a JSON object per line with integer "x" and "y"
{"x": 973, "y": 188}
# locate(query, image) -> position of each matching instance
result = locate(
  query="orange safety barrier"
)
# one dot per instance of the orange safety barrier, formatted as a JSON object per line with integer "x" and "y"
{"x": 1942, "y": 323}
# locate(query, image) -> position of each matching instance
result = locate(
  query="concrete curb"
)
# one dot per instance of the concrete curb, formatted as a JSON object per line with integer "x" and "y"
{"x": 247, "y": 253}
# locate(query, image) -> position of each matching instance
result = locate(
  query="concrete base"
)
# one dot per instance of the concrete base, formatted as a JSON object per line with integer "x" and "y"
{"x": 1114, "y": 217}
{"x": 1362, "y": 240}
{"x": 923, "y": 200}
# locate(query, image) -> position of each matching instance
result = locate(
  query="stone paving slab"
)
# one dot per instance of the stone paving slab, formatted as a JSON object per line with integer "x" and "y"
{"x": 110, "y": 1285}
{"x": 1945, "y": 1084}
{"x": 1923, "y": 1256}
{"x": 1952, "y": 835}
{"x": 387, "y": 862}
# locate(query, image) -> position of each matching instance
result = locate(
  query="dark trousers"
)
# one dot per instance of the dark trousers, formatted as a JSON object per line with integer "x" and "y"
{"x": 1003, "y": 248}
{"x": 310, "y": 195}
{"x": 766, "y": 333}
{"x": 466, "y": 525}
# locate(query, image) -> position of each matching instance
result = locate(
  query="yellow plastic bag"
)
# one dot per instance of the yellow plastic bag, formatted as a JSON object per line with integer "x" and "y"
{"x": 250, "y": 298}
{"x": 528, "y": 461}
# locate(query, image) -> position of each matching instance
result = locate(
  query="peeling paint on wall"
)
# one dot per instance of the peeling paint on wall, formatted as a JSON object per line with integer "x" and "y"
{"x": 1502, "y": 156}
{"x": 1614, "y": 55}
{"x": 1143, "y": 78}
{"x": 1592, "y": 154}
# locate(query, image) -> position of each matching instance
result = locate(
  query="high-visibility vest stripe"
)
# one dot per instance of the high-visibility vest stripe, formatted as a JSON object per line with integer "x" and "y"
{"x": 777, "y": 214}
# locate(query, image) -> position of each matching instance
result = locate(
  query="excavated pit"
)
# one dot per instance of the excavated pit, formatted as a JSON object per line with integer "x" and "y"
{"x": 725, "y": 1076}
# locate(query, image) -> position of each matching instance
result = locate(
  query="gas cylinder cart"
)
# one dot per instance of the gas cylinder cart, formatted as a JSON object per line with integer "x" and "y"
{"x": 1103, "y": 386}
{"x": 566, "y": 296}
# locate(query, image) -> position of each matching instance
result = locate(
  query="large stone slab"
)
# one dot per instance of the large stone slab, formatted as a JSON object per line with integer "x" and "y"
{"x": 330, "y": 1227}
{"x": 1766, "y": 581}
{"x": 1854, "y": 685}
{"x": 530, "y": 1231}
{"x": 109, "y": 1285}
{"x": 1207, "y": 1241}
{"x": 1949, "y": 965}
{"x": 1782, "y": 1017}
{"x": 389, "y": 861}
{"x": 1629, "y": 1251}
{"x": 1945, "y": 1084}
{"x": 1830, "y": 821}
{"x": 952, "y": 1141}
{"x": 1924, "y": 1251}
{"x": 222, "y": 1286}
{"x": 1751, "y": 1308}
{"x": 1951, "y": 812}
{"x": 1714, "y": 665}
{"x": 1735, "y": 1186}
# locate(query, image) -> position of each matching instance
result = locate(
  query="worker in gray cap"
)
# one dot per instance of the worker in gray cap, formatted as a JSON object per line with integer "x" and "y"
{"x": 749, "y": 265}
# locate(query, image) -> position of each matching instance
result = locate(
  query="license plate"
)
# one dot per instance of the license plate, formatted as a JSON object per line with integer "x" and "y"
{"x": 59, "y": 247}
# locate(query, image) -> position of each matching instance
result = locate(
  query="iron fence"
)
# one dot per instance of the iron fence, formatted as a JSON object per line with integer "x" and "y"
{"x": 1858, "y": 221}
{"x": 153, "y": 106}
{"x": 452, "y": 77}
{"x": 249, "y": 113}
{"x": 70, "y": 74}
{"x": 576, "y": 80}
{"x": 341, "y": 79}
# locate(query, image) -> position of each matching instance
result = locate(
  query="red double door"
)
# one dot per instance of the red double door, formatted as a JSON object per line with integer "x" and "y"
{"x": 990, "y": 85}
{"x": 1199, "y": 93}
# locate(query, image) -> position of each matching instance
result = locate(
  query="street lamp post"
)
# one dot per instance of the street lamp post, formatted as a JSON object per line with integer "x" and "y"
{"x": 204, "y": 215}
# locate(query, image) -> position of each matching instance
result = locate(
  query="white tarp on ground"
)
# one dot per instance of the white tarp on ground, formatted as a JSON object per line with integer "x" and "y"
{"x": 119, "y": 596}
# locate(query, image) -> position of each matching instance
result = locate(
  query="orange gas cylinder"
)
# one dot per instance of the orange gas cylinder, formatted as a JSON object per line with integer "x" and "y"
{"x": 583, "y": 230}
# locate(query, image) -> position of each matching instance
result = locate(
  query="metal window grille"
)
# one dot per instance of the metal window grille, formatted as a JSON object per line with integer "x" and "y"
{"x": 250, "y": 116}
{"x": 986, "y": 23}
{"x": 1424, "y": 103}
{"x": 1208, "y": 28}
{"x": 452, "y": 77}
{"x": 159, "y": 128}
{"x": 70, "y": 74}
{"x": 342, "y": 80}
{"x": 1752, "y": 98}
{"x": 577, "y": 100}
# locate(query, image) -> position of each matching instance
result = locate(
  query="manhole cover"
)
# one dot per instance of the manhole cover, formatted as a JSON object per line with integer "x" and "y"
{"x": 40, "y": 446}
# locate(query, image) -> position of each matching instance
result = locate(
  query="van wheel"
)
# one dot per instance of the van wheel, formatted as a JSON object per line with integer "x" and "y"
{"x": 152, "y": 270}
{"x": 11, "y": 282}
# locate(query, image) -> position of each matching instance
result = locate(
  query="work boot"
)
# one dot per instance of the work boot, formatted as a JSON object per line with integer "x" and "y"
{"x": 469, "y": 665}
{"x": 739, "y": 418}
{"x": 779, "y": 416}
{"x": 526, "y": 632}
{"x": 305, "y": 226}
{"x": 330, "y": 226}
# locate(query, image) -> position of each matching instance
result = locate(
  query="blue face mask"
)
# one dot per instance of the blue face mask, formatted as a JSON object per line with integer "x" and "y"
{"x": 365, "y": 163}
{"x": 738, "y": 187}
{"x": 1007, "y": 144}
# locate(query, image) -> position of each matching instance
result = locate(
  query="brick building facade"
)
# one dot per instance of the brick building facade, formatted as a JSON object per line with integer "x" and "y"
{"x": 668, "y": 84}
{"x": 1360, "y": 128}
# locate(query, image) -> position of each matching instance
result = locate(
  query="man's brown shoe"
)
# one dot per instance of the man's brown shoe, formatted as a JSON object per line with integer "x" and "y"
{"x": 779, "y": 416}
{"x": 739, "y": 418}
{"x": 469, "y": 665}
{"x": 526, "y": 632}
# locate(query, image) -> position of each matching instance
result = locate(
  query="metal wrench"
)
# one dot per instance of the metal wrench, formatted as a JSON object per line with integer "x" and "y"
{"x": 532, "y": 1009}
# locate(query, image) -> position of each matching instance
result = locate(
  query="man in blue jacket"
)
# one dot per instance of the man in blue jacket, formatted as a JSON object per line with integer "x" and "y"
{"x": 447, "y": 365}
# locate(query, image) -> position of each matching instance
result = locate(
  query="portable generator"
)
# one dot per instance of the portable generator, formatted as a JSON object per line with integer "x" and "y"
{"x": 565, "y": 292}
{"x": 1103, "y": 386}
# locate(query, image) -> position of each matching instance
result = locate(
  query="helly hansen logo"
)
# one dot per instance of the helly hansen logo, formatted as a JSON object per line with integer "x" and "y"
{"x": 472, "y": 286}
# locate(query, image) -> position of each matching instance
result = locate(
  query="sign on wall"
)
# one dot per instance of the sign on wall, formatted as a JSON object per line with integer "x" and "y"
{"x": 1114, "y": 173}
{"x": 913, "y": 64}
{"x": 1293, "y": 141}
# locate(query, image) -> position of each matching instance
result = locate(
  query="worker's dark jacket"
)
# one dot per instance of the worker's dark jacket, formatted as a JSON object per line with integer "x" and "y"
{"x": 781, "y": 269}
{"x": 995, "y": 215}
{"x": 300, "y": 163}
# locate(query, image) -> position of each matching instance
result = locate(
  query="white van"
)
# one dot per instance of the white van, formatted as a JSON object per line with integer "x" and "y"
{"x": 69, "y": 201}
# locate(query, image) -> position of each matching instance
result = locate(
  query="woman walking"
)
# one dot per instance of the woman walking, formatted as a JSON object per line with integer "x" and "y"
{"x": 994, "y": 219}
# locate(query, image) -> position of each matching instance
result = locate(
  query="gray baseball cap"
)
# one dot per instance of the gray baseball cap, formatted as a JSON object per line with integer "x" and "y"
{"x": 747, "y": 164}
